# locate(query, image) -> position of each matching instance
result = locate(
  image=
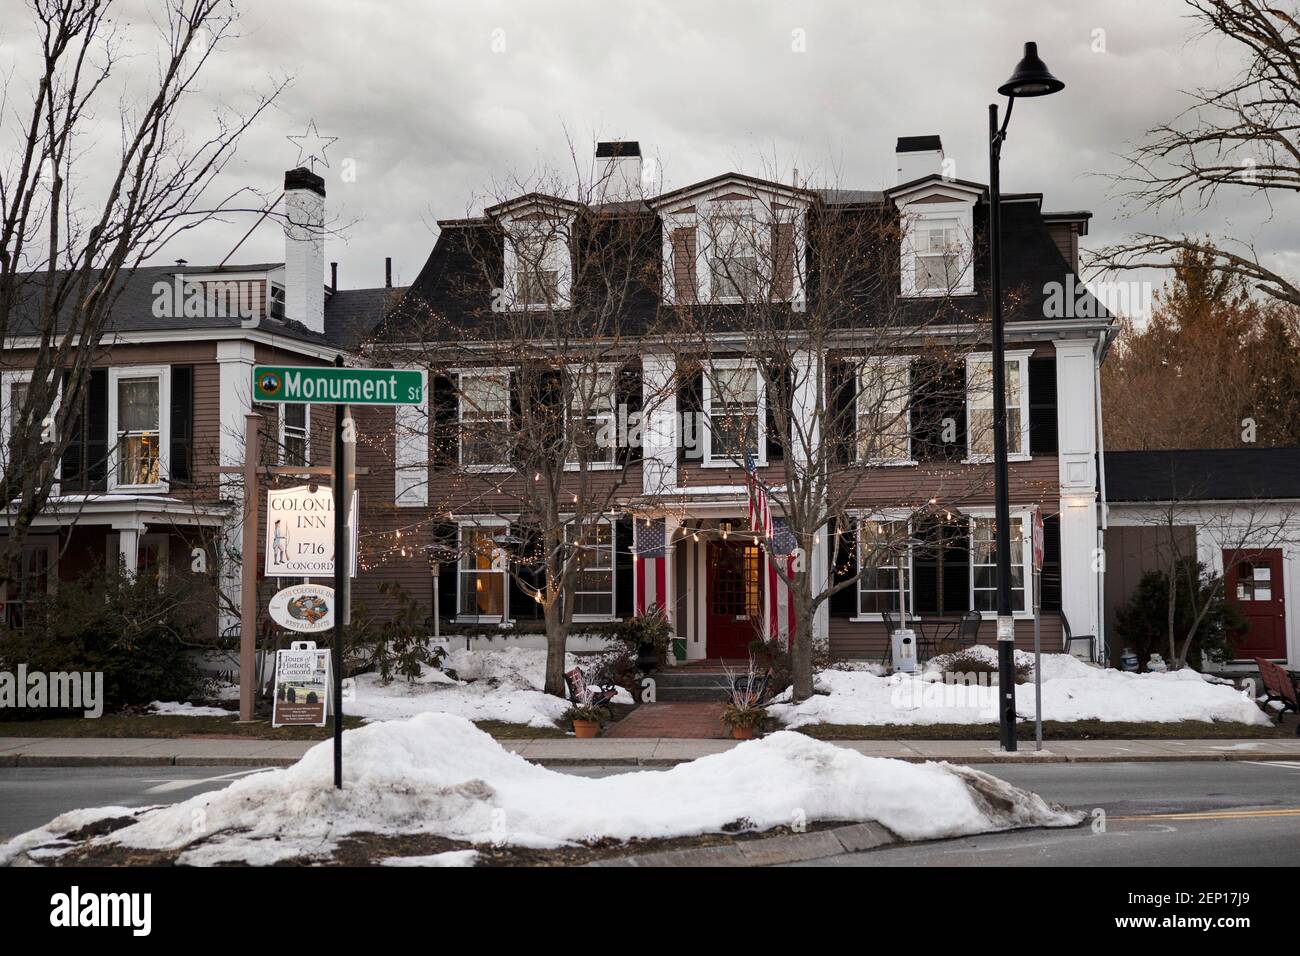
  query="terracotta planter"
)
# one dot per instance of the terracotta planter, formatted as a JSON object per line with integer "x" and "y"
{"x": 585, "y": 728}
{"x": 742, "y": 733}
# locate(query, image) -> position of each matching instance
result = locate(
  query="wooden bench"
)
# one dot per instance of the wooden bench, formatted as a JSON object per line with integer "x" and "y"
{"x": 1281, "y": 686}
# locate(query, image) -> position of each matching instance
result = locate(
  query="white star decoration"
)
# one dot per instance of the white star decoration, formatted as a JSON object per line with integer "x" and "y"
{"x": 311, "y": 145}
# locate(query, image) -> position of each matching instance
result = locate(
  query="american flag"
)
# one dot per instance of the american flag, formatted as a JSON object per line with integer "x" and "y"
{"x": 760, "y": 511}
{"x": 780, "y": 608}
{"x": 650, "y": 545}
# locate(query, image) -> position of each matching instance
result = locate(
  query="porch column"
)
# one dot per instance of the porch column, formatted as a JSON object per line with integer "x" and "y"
{"x": 235, "y": 362}
{"x": 670, "y": 578}
{"x": 658, "y": 424}
{"x": 128, "y": 550}
{"x": 1077, "y": 428}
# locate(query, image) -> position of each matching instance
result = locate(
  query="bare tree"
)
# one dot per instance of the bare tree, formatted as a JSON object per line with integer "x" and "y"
{"x": 814, "y": 364}
{"x": 1241, "y": 138}
{"x": 77, "y": 218}
{"x": 535, "y": 386}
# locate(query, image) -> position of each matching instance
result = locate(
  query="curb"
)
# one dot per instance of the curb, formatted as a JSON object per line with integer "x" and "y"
{"x": 772, "y": 851}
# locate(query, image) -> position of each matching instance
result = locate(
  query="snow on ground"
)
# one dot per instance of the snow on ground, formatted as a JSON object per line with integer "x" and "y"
{"x": 439, "y": 774}
{"x": 450, "y": 858}
{"x": 503, "y": 685}
{"x": 173, "y": 708}
{"x": 1072, "y": 690}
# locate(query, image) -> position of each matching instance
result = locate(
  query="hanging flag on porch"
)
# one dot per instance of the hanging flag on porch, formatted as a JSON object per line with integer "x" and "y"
{"x": 650, "y": 545}
{"x": 760, "y": 511}
{"x": 780, "y": 607}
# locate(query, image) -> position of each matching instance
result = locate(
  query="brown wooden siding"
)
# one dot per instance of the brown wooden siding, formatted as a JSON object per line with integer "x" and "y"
{"x": 866, "y": 639}
{"x": 1130, "y": 553}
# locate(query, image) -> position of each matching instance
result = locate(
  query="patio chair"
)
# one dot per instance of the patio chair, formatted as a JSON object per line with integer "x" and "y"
{"x": 968, "y": 631}
{"x": 1071, "y": 638}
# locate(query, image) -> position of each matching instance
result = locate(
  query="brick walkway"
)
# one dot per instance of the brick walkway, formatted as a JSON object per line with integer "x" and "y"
{"x": 685, "y": 719}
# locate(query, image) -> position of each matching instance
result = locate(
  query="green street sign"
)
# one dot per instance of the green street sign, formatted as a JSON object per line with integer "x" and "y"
{"x": 330, "y": 385}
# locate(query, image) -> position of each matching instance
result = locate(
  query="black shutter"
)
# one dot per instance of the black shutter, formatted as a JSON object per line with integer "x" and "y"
{"x": 938, "y": 395}
{"x": 1051, "y": 582}
{"x": 72, "y": 472}
{"x": 182, "y": 424}
{"x": 690, "y": 402}
{"x": 841, "y": 402}
{"x": 527, "y": 573}
{"x": 956, "y": 568}
{"x": 444, "y": 416}
{"x": 446, "y": 545}
{"x": 1042, "y": 406}
{"x": 627, "y": 395}
{"x": 783, "y": 394}
{"x": 97, "y": 431}
{"x": 624, "y": 585}
{"x": 844, "y": 565}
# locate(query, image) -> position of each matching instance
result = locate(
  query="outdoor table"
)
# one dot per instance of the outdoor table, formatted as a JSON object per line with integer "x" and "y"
{"x": 940, "y": 629}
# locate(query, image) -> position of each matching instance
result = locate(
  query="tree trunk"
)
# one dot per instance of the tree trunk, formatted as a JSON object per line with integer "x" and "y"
{"x": 801, "y": 651}
{"x": 1169, "y": 621}
{"x": 556, "y": 638}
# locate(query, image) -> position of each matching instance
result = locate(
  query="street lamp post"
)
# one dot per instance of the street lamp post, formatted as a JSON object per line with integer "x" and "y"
{"x": 1031, "y": 78}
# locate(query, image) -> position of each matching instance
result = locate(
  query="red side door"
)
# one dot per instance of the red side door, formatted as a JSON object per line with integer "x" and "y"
{"x": 735, "y": 606}
{"x": 1254, "y": 585}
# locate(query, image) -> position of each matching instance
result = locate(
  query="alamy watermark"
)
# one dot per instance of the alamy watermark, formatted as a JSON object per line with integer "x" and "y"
{"x": 1073, "y": 299}
{"x": 57, "y": 690}
{"x": 217, "y": 299}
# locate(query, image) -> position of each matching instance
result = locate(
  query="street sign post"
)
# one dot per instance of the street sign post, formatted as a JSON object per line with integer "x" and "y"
{"x": 1038, "y": 543}
{"x": 342, "y": 388}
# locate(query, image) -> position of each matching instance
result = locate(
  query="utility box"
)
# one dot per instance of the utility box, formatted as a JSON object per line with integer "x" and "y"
{"x": 904, "y": 650}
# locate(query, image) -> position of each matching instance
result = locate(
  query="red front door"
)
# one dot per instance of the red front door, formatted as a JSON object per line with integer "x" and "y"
{"x": 1254, "y": 585}
{"x": 735, "y": 598}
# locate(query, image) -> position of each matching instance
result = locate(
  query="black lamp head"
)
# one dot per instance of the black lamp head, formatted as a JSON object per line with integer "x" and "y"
{"x": 1031, "y": 77}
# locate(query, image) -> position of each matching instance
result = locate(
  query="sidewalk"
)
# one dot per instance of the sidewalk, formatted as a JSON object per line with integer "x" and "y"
{"x": 625, "y": 751}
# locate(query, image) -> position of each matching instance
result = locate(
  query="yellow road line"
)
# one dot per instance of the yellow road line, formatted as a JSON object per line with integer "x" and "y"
{"x": 1218, "y": 815}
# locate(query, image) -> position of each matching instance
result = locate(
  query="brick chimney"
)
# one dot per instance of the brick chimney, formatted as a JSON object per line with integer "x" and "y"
{"x": 304, "y": 248}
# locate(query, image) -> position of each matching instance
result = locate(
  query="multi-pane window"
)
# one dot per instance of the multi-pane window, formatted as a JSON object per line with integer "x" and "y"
{"x": 883, "y": 557}
{"x": 939, "y": 258}
{"x": 275, "y": 302}
{"x": 293, "y": 437}
{"x": 591, "y": 416}
{"x": 984, "y": 564}
{"x": 482, "y": 574}
{"x": 13, "y": 396}
{"x": 484, "y": 417}
{"x": 883, "y": 419}
{"x": 536, "y": 273}
{"x": 735, "y": 423}
{"x": 139, "y": 435}
{"x": 593, "y": 579}
{"x": 980, "y": 401}
{"x": 733, "y": 253}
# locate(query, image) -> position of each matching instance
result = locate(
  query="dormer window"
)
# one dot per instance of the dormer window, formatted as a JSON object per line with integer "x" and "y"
{"x": 940, "y": 256}
{"x": 733, "y": 251}
{"x": 537, "y": 266}
{"x": 275, "y": 301}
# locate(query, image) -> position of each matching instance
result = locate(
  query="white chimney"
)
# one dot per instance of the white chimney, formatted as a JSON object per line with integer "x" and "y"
{"x": 304, "y": 248}
{"x": 918, "y": 156}
{"x": 618, "y": 171}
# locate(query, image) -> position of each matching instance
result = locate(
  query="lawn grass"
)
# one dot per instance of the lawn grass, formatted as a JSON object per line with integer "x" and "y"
{"x": 1052, "y": 730}
{"x": 144, "y": 725}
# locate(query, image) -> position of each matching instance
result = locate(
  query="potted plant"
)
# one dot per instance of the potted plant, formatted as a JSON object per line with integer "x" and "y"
{"x": 586, "y": 719}
{"x": 747, "y": 697}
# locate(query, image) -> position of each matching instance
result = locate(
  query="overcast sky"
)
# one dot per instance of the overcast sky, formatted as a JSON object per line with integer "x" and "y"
{"x": 436, "y": 102}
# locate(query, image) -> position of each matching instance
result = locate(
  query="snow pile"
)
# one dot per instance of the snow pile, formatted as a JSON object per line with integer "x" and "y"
{"x": 504, "y": 685}
{"x": 173, "y": 708}
{"x": 1072, "y": 690}
{"x": 440, "y": 775}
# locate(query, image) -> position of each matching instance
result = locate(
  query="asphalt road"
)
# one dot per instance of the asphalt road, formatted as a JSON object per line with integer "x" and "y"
{"x": 1154, "y": 814}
